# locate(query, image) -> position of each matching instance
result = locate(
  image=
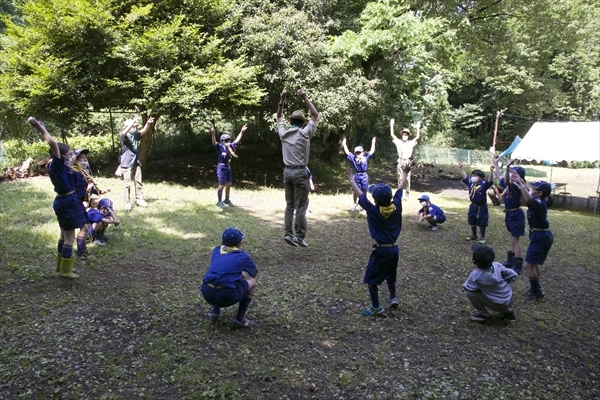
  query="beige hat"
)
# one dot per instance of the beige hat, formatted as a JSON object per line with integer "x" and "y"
{"x": 298, "y": 114}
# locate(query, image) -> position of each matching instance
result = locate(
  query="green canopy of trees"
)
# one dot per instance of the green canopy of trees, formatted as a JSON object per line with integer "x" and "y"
{"x": 451, "y": 64}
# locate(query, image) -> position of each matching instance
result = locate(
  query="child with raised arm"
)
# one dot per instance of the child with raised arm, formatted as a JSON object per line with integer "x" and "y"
{"x": 360, "y": 163}
{"x": 540, "y": 236}
{"x": 385, "y": 223}
{"x": 478, "y": 215}
{"x": 225, "y": 152}
{"x": 66, "y": 206}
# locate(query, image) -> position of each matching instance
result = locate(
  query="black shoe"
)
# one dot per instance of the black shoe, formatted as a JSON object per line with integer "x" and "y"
{"x": 81, "y": 256}
{"x": 531, "y": 296}
{"x": 509, "y": 316}
{"x": 480, "y": 318}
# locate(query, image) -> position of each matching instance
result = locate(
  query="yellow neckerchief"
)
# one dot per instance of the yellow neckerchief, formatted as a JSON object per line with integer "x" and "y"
{"x": 228, "y": 249}
{"x": 83, "y": 171}
{"x": 475, "y": 188}
{"x": 387, "y": 211}
{"x": 231, "y": 152}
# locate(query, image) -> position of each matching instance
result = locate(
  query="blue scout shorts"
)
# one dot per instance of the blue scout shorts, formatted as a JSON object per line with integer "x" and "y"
{"x": 224, "y": 174}
{"x": 515, "y": 222}
{"x": 383, "y": 265}
{"x": 362, "y": 181}
{"x": 478, "y": 215}
{"x": 539, "y": 246}
{"x": 225, "y": 297}
{"x": 69, "y": 212}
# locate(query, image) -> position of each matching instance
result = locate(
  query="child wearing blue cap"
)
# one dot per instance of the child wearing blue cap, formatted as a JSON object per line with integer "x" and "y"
{"x": 540, "y": 236}
{"x": 360, "y": 163}
{"x": 384, "y": 219}
{"x": 478, "y": 215}
{"x": 430, "y": 212}
{"x": 100, "y": 215}
{"x": 66, "y": 206}
{"x": 230, "y": 279}
{"x": 514, "y": 217}
{"x": 225, "y": 151}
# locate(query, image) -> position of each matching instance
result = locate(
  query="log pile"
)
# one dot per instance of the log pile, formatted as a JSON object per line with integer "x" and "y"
{"x": 18, "y": 173}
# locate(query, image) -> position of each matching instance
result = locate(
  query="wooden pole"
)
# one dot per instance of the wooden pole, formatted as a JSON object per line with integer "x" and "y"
{"x": 498, "y": 115}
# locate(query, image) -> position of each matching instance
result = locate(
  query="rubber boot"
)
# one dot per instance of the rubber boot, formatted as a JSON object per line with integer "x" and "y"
{"x": 509, "y": 261}
{"x": 66, "y": 268}
{"x": 58, "y": 261}
{"x": 517, "y": 265}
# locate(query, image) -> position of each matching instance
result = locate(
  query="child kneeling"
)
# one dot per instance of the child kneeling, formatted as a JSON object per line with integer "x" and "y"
{"x": 488, "y": 286}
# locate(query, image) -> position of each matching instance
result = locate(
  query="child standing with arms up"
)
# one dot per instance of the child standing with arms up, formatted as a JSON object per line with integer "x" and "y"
{"x": 540, "y": 236}
{"x": 66, "y": 206}
{"x": 360, "y": 162}
{"x": 478, "y": 215}
{"x": 385, "y": 223}
{"x": 225, "y": 151}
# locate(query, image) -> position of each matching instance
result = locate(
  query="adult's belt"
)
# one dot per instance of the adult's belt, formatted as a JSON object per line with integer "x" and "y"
{"x": 214, "y": 286}
{"x": 295, "y": 166}
{"x": 539, "y": 230}
{"x": 384, "y": 244}
{"x": 66, "y": 194}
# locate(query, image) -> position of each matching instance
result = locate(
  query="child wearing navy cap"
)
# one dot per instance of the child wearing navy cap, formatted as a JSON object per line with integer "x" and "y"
{"x": 430, "y": 212}
{"x": 514, "y": 217}
{"x": 100, "y": 215}
{"x": 478, "y": 215}
{"x": 360, "y": 163}
{"x": 225, "y": 151}
{"x": 540, "y": 236}
{"x": 230, "y": 279}
{"x": 385, "y": 223}
{"x": 488, "y": 286}
{"x": 66, "y": 206}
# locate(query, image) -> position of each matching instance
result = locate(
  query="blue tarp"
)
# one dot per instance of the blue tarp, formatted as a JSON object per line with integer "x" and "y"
{"x": 512, "y": 147}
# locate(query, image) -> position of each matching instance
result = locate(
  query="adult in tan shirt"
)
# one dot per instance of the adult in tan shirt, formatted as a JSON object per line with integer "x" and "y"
{"x": 405, "y": 147}
{"x": 295, "y": 146}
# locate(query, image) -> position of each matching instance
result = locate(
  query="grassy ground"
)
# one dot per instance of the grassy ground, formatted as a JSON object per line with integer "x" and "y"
{"x": 134, "y": 324}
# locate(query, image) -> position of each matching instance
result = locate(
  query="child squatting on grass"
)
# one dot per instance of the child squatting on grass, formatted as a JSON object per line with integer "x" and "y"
{"x": 230, "y": 279}
{"x": 430, "y": 212}
{"x": 488, "y": 286}
{"x": 385, "y": 223}
{"x": 66, "y": 206}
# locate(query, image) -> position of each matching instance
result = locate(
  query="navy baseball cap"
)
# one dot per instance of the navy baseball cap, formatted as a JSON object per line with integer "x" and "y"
{"x": 483, "y": 255}
{"x": 381, "y": 192}
{"x": 519, "y": 170}
{"x": 106, "y": 203}
{"x": 543, "y": 187}
{"x": 81, "y": 151}
{"x": 232, "y": 237}
{"x": 224, "y": 137}
{"x": 424, "y": 197}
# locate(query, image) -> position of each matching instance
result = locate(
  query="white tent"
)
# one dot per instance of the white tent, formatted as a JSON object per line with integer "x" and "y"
{"x": 560, "y": 141}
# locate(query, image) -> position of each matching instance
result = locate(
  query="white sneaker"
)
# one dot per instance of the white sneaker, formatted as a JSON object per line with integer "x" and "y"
{"x": 128, "y": 206}
{"x": 354, "y": 207}
{"x": 141, "y": 203}
{"x": 359, "y": 209}
{"x": 435, "y": 228}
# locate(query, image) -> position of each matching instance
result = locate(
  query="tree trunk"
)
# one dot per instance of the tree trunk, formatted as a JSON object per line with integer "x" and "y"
{"x": 330, "y": 154}
{"x": 146, "y": 142}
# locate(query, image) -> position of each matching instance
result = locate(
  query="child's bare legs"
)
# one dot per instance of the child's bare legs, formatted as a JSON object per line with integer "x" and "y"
{"x": 68, "y": 238}
{"x": 81, "y": 236}
{"x": 532, "y": 272}
{"x": 516, "y": 245}
{"x": 243, "y": 306}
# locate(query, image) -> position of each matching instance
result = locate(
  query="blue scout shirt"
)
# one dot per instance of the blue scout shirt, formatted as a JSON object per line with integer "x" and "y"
{"x": 477, "y": 191}
{"x": 383, "y": 230}
{"x": 537, "y": 214}
{"x": 223, "y": 154}
{"x": 359, "y": 166}
{"x": 226, "y": 267}
{"x": 94, "y": 215}
{"x": 432, "y": 210}
{"x": 61, "y": 176}
{"x": 512, "y": 196}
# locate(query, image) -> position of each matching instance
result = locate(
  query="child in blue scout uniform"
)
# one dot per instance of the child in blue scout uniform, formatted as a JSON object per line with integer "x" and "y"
{"x": 430, "y": 213}
{"x": 360, "y": 163}
{"x": 66, "y": 206}
{"x": 478, "y": 211}
{"x": 514, "y": 217}
{"x": 225, "y": 151}
{"x": 488, "y": 286}
{"x": 540, "y": 236}
{"x": 385, "y": 223}
{"x": 101, "y": 214}
{"x": 230, "y": 279}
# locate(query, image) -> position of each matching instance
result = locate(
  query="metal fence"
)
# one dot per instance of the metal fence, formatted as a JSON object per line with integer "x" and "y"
{"x": 448, "y": 155}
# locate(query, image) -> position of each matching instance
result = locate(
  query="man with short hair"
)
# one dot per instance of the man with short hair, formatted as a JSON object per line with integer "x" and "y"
{"x": 130, "y": 159}
{"x": 295, "y": 146}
